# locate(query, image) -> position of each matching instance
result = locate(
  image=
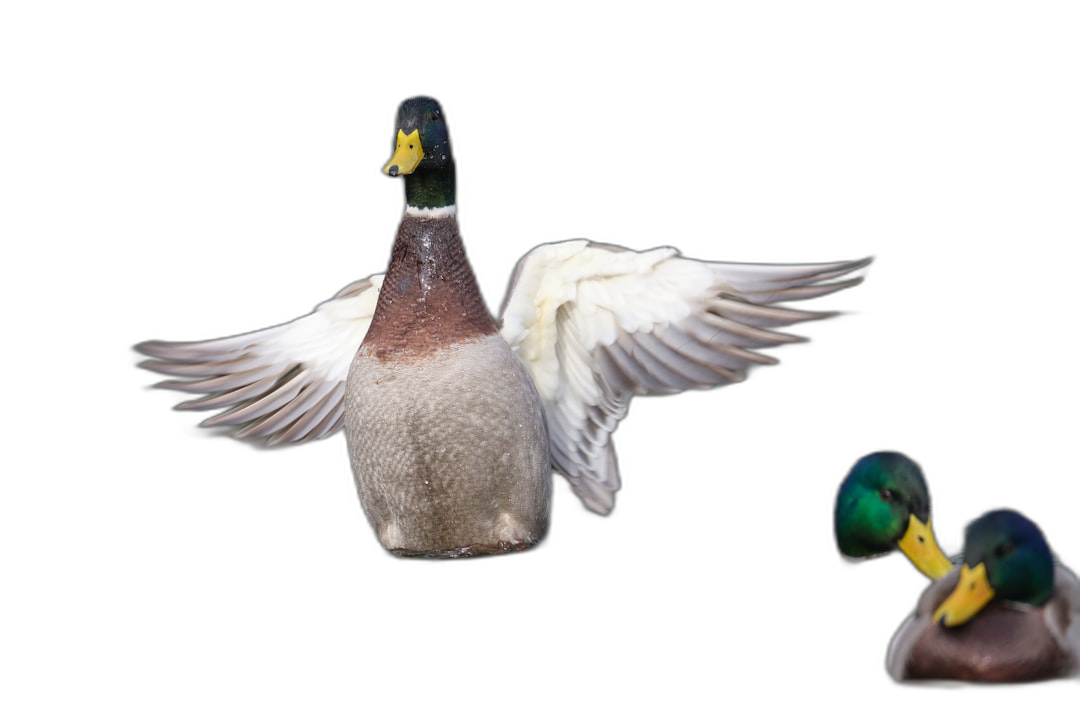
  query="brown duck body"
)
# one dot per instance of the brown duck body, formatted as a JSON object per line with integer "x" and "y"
{"x": 1005, "y": 642}
{"x": 445, "y": 429}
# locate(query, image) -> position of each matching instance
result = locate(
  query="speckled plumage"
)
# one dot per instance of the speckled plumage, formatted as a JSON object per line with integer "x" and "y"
{"x": 429, "y": 298}
{"x": 445, "y": 430}
{"x": 450, "y": 453}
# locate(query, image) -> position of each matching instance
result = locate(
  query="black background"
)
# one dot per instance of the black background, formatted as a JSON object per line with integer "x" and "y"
{"x": 247, "y": 189}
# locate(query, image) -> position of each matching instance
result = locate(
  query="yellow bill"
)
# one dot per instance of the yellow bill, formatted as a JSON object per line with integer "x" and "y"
{"x": 970, "y": 596}
{"x": 921, "y": 547}
{"x": 407, "y": 154}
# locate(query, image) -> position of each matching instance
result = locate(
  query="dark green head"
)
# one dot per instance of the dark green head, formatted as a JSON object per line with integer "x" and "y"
{"x": 1019, "y": 565}
{"x": 422, "y": 154}
{"x": 1005, "y": 556}
{"x": 884, "y": 505}
{"x": 876, "y": 501}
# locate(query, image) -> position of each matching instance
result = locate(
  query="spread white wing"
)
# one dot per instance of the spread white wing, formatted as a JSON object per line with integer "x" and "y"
{"x": 598, "y": 324}
{"x": 285, "y": 383}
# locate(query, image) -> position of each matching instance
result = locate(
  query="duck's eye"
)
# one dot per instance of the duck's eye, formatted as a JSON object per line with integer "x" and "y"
{"x": 885, "y": 494}
{"x": 1003, "y": 550}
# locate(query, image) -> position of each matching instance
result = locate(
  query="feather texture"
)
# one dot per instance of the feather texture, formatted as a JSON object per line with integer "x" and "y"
{"x": 594, "y": 325}
{"x": 285, "y": 383}
{"x": 598, "y": 324}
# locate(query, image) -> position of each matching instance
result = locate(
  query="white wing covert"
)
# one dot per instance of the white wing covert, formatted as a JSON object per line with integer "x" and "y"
{"x": 285, "y": 383}
{"x": 598, "y": 324}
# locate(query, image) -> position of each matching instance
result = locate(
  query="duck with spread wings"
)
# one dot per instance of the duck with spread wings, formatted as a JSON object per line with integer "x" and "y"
{"x": 454, "y": 421}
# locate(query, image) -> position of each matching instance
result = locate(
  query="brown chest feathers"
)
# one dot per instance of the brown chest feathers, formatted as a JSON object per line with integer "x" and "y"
{"x": 429, "y": 298}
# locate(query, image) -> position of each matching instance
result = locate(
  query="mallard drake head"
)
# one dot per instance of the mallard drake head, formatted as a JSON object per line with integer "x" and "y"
{"x": 1006, "y": 556}
{"x": 422, "y": 154}
{"x": 884, "y": 505}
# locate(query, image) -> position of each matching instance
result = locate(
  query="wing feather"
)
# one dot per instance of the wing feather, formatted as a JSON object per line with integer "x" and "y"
{"x": 598, "y": 324}
{"x": 284, "y": 383}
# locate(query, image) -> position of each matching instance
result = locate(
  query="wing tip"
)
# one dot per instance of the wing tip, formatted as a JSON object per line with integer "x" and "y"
{"x": 601, "y": 509}
{"x": 150, "y": 348}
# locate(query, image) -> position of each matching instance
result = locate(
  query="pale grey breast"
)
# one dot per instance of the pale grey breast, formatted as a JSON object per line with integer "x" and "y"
{"x": 449, "y": 450}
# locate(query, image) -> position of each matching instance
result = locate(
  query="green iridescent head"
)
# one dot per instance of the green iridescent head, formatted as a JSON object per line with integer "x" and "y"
{"x": 1005, "y": 556}
{"x": 422, "y": 154}
{"x": 884, "y": 505}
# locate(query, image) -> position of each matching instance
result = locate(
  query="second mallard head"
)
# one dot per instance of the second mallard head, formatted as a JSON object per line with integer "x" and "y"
{"x": 884, "y": 505}
{"x": 1005, "y": 556}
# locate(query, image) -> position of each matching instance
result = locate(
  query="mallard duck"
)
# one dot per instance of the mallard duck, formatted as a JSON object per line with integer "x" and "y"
{"x": 884, "y": 505}
{"x": 453, "y": 421}
{"x": 1008, "y": 614}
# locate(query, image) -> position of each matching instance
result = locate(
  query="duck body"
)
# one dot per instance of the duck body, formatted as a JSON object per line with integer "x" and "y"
{"x": 454, "y": 423}
{"x": 1004, "y": 642}
{"x": 444, "y": 427}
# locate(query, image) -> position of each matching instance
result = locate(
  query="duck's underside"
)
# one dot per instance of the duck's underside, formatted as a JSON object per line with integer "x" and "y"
{"x": 449, "y": 451}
